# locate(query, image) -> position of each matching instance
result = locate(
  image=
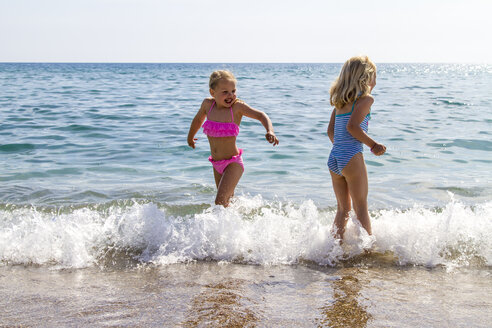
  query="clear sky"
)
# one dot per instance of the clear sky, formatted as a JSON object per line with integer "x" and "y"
{"x": 245, "y": 30}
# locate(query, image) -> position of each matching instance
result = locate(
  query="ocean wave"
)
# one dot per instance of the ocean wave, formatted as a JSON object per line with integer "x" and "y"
{"x": 18, "y": 147}
{"x": 251, "y": 231}
{"x": 451, "y": 103}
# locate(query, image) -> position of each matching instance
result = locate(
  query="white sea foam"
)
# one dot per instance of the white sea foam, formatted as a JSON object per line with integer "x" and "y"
{"x": 253, "y": 230}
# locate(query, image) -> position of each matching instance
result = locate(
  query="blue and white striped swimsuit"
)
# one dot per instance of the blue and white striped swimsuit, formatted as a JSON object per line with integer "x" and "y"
{"x": 345, "y": 146}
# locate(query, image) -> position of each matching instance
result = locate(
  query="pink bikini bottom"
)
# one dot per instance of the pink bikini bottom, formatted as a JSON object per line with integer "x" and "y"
{"x": 221, "y": 165}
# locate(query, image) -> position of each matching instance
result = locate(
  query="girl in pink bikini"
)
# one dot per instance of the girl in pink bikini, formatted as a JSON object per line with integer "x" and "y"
{"x": 224, "y": 113}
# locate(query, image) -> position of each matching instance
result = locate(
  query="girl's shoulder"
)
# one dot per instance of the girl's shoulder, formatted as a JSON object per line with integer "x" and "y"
{"x": 208, "y": 101}
{"x": 238, "y": 104}
{"x": 366, "y": 100}
{"x": 206, "y": 104}
{"x": 363, "y": 105}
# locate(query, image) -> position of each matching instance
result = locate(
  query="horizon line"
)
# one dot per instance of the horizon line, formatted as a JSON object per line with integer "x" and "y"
{"x": 215, "y": 63}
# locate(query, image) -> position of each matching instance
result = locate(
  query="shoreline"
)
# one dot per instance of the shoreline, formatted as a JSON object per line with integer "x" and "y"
{"x": 217, "y": 294}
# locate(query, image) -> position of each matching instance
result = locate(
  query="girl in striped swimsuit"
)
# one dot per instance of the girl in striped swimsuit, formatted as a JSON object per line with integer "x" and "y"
{"x": 350, "y": 94}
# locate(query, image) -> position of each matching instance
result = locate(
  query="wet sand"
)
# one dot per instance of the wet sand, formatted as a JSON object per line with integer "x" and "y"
{"x": 210, "y": 294}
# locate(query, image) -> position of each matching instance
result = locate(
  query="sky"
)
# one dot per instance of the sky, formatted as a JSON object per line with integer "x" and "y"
{"x": 236, "y": 31}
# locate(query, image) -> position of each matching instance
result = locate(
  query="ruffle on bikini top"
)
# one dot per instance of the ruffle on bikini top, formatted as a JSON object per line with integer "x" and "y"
{"x": 220, "y": 129}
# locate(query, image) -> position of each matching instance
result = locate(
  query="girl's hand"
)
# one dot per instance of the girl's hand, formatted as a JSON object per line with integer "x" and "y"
{"x": 378, "y": 149}
{"x": 191, "y": 142}
{"x": 271, "y": 138}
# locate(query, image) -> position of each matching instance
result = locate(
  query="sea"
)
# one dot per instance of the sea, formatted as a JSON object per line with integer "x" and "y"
{"x": 107, "y": 217}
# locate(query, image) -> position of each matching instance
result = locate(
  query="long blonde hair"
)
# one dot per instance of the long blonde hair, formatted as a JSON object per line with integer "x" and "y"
{"x": 354, "y": 79}
{"x": 216, "y": 76}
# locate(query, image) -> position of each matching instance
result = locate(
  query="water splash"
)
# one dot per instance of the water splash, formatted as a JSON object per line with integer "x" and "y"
{"x": 252, "y": 231}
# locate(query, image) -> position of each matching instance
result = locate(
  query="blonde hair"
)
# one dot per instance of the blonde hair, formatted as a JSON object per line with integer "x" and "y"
{"x": 353, "y": 82}
{"x": 216, "y": 76}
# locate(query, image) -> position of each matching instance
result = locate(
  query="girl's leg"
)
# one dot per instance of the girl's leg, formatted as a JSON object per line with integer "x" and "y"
{"x": 217, "y": 177}
{"x": 227, "y": 184}
{"x": 343, "y": 203}
{"x": 356, "y": 175}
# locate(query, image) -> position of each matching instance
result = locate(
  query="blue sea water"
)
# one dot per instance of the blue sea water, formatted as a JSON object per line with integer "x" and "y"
{"x": 101, "y": 148}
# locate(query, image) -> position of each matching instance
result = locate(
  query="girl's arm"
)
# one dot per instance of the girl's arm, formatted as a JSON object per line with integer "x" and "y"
{"x": 361, "y": 110}
{"x": 197, "y": 123}
{"x": 331, "y": 127}
{"x": 248, "y": 111}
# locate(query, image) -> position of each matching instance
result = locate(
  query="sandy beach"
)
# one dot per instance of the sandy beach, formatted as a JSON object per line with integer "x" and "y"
{"x": 211, "y": 294}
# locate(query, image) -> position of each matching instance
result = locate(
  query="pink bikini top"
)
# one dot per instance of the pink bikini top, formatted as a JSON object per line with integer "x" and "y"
{"x": 220, "y": 129}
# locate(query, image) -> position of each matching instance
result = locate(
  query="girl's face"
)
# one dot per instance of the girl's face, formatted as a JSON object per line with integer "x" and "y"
{"x": 224, "y": 93}
{"x": 372, "y": 84}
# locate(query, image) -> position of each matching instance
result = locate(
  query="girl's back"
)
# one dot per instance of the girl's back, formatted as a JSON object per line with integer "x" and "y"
{"x": 342, "y": 118}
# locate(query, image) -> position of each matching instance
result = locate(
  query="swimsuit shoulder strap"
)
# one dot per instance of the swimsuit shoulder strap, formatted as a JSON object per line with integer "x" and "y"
{"x": 211, "y": 108}
{"x": 353, "y": 105}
